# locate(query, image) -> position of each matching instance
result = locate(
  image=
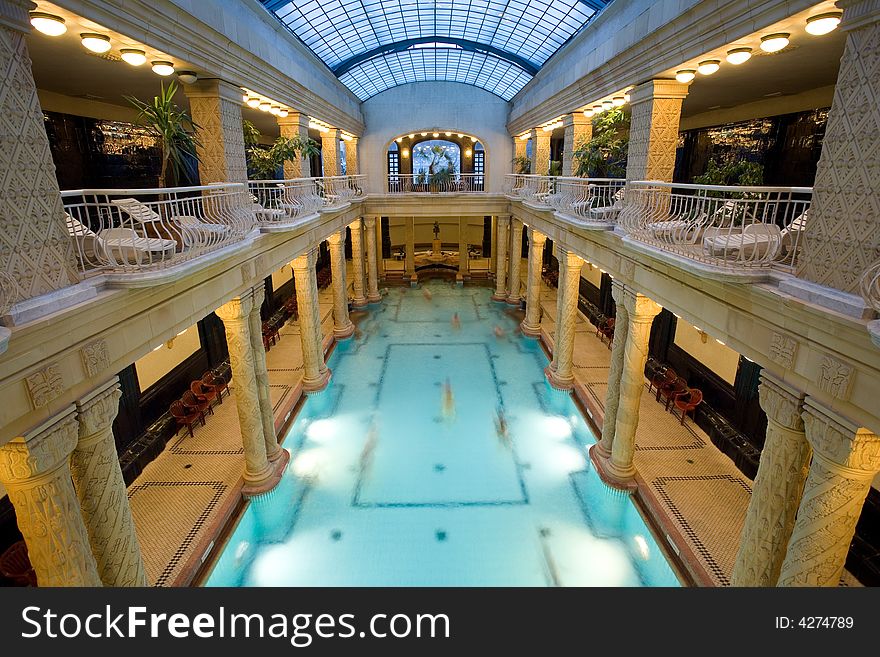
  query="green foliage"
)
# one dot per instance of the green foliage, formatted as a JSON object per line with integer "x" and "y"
{"x": 604, "y": 155}
{"x": 731, "y": 170}
{"x": 174, "y": 129}
{"x": 522, "y": 164}
{"x": 251, "y": 134}
{"x": 555, "y": 168}
{"x": 264, "y": 162}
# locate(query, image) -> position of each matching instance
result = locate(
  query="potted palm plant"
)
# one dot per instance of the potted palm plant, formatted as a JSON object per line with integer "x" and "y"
{"x": 263, "y": 163}
{"x": 604, "y": 154}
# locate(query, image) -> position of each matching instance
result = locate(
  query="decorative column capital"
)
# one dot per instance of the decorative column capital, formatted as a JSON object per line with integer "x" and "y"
{"x": 236, "y": 309}
{"x": 293, "y": 119}
{"x": 537, "y": 238}
{"x": 503, "y": 219}
{"x": 858, "y": 13}
{"x": 356, "y": 224}
{"x": 306, "y": 261}
{"x": 618, "y": 292}
{"x": 782, "y": 403}
{"x": 14, "y": 15}
{"x": 97, "y": 410}
{"x": 213, "y": 88}
{"x": 639, "y": 307}
{"x": 577, "y": 118}
{"x": 839, "y": 440}
{"x": 40, "y": 451}
{"x": 571, "y": 258}
{"x": 654, "y": 89}
{"x": 258, "y": 294}
{"x": 336, "y": 238}
{"x": 369, "y": 222}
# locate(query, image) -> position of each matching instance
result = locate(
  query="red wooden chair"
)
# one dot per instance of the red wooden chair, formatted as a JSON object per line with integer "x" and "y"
{"x": 669, "y": 391}
{"x": 15, "y": 564}
{"x": 195, "y": 403}
{"x": 687, "y": 401}
{"x": 607, "y": 329}
{"x": 663, "y": 376}
{"x": 201, "y": 391}
{"x": 218, "y": 383}
{"x": 186, "y": 417}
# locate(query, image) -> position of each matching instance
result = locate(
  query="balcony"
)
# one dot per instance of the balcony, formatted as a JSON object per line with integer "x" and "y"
{"x": 337, "y": 191}
{"x": 729, "y": 228}
{"x": 280, "y": 204}
{"x": 592, "y": 203}
{"x": 459, "y": 183}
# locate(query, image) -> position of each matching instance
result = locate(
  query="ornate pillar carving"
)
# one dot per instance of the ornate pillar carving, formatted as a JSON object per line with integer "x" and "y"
{"x": 37, "y": 250}
{"x": 641, "y": 312}
{"x": 846, "y": 458}
{"x": 295, "y": 125}
{"x": 540, "y": 152}
{"x": 501, "y": 242}
{"x": 531, "y": 324}
{"x": 330, "y": 152}
{"x": 513, "y": 280}
{"x": 561, "y": 376}
{"x": 258, "y": 473}
{"x": 778, "y": 487}
{"x": 342, "y": 325}
{"x": 352, "y": 163}
{"x": 463, "y": 269}
{"x": 842, "y": 236}
{"x": 653, "y": 132}
{"x": 373, "y": 295}
{"x": 612, "y": 396}
{"x": 520, "y": 148}
{"x": 102, "y": 493}
{"x": 560, "y": 304}
{"x": 215, "y": 106}
{"x": 35, "y": 471}
{"x": 316, "y": 374}
{"x": 261, "y": 373}
{"x": 357, "y": 263}
{"x": 578, "y": 129}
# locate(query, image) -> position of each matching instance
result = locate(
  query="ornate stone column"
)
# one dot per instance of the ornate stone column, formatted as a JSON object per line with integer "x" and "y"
{"x": 501, "y": 243}
{"x": 560, "y": 304}
{"x": 514, "y": 282}
{"x": 463, "y": 270}
{"x": 35, "y": 471}
{"x": 410, "y": 256}
{"x": 330, "y": 152}
{"x": 215, "y": 106}
{"x": 295, "y": 125}
{"x": 641, "y": 312}
{"x": 267, "y": 415}
{"x": 842, "y": 236}
{"x": 612, "y": 396}
{"x": 258, "y": 473}
{"x": 102, "y": 493}
{"x": 316, "y": 374}
{"x": 846, "y": 458}
{"x": 653, "y": 132}
{"x": 352, "y": 163}
{"x": 37, "y": 250}
{"x": 578, "y": 129}
{"x": 561, "y": 376}
{"x": 520, "y": 147}
{"x": 342, "y": 326}
{"x": 357, "y": 263}
{"x": 531, "y": 324}
{"x": 373, "y": 295}
{"x": 778, "y": 487}
{"x": 540, "y": 152}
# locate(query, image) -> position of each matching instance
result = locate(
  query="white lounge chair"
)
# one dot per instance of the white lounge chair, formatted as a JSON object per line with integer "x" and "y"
{"x": 607, "y": 213}
{"x": 88, "y": 245}
{"x": 750, "y": 242}
{"x": 192, "y": 230}
{"x": 125, "y": 246}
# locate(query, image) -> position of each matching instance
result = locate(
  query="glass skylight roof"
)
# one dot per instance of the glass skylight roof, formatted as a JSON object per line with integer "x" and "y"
{"x": 494, "y": 45}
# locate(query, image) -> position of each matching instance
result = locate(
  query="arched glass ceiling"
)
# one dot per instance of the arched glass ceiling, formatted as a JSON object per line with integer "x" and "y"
{"x": 491, "y": 44}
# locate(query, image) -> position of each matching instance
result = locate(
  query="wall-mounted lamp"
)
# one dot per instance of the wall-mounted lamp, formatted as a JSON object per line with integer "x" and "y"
{"x": 468, "y": 153}
{"x": 404, "y": 152}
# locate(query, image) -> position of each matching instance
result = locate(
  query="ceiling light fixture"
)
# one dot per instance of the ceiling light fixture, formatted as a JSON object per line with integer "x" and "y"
{"x": 424, "y": 134}
{"x": 283, "y": 114}
{"x": 48, "y": 24}
{"x": 626, "y": 97}
{"x": 187, "y": 77}
{"x": 738, "y": 56}
{"x": 468, "y": 153}
{"x": 405, "y": 152}
{"x": 524, "y": 137}
{"x": 98, "y": 43}
{"x": 265, "y": 106}
{"x": 774, "y": 42}
{"x": 133, "y": 56}
{"x": 685, "y": 75}
{"x": 274, "y": 110}
{"x": 435, "y": 134}
{"x": 163, "y": 68}
{"x": 708, "y": 67}
{"x": 588, "y": 113}
{"x": 253, "y": 101}
{"x": 607, "y": 104}
{"x": 618, "y": 101}
{"x": 823, "y": 23}
{"x": 460, "y": 136}
{"x": 598, "y": 109}
{"x": 410, "y": 136}
{"x": 448, "y": 134}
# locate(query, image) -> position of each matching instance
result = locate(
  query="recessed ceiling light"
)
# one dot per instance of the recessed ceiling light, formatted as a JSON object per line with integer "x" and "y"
{"x": 163, "y": 68}
{"x": 48, "y": 24}
{"x": 708, "y": 67}
{"x": 133, "y": 56}
{"x": 685, "y": 75}
{"x": 774, "y": 42}
{"x": 253, "y": 101}
{"x": 187, "y": 77}
{"x": 95, "y": 42}
{"x": 598, "y": 109}
{"x": 617, "y": 101}
{"x": 739, "y": 55}
{"x": 265, "y": 106}
{"x": 823, "y": 23}
{"x": 588, "y": 113}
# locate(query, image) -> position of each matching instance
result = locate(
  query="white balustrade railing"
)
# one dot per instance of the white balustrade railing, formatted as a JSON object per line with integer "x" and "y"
{"x": 457, "y": 183}
{"x": 338, "y": 190}
{"x": 727, "y": 226}
{"x": 869, "y": 286}
{"x": 280, "y": 202}
{"x": 140, "y": 230}
{"x": 589, "y": 200}
{"x": 528, "y": 187}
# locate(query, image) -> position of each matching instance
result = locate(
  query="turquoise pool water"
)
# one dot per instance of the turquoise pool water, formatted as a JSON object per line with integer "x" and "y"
{"x": 394, "y": 482}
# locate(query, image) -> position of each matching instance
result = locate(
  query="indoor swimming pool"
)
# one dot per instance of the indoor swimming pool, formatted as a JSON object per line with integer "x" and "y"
{"x": 439, "y": 456}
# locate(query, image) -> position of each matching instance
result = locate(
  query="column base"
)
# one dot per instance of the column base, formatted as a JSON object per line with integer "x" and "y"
{"x": 558, "y": 382}
{"x": 610, "y": 475}
{"x": 413, "y": 280}
{"x": 513, "y": 301}
{"x": 343, "y": 332}
{"x": 374, "y": 298}
{"x": 530, "y": 330}
{"x": 499, "y": 296}
{"x": 252, "y": 489}
{"x": 317, "y": 384}
{"x": 359, "y": 302}
{"x": 277, "y": 454}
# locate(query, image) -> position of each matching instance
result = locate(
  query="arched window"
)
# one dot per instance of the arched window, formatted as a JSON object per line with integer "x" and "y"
{"x": 436, "y": 157}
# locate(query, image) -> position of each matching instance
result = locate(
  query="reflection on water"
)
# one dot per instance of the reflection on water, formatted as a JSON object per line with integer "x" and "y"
{"x": 439, "y": 456}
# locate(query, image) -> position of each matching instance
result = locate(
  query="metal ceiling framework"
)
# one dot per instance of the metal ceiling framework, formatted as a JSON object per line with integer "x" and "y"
{"x": 373, "y": 45}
